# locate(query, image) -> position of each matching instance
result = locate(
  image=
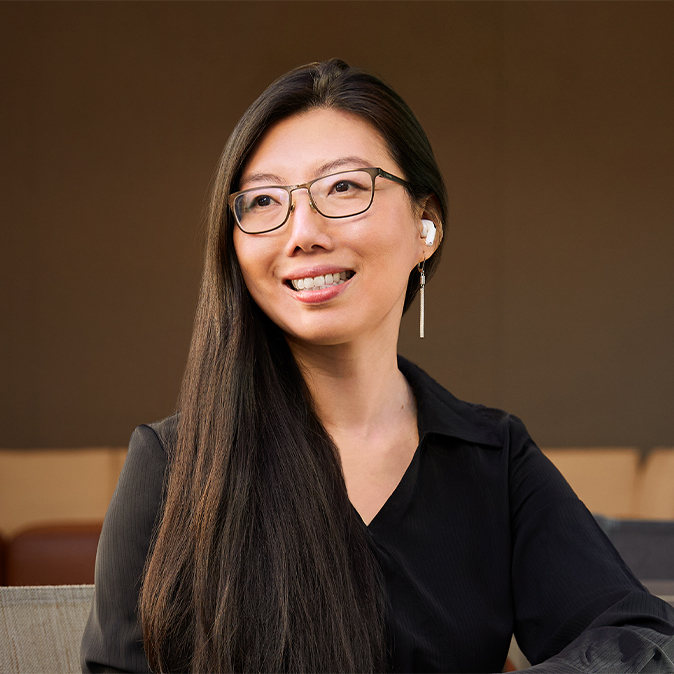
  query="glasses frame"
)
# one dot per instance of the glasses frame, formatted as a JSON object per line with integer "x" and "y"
{"x": 373, "y": 171}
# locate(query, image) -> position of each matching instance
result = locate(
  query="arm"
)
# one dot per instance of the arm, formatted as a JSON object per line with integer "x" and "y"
{"x": 577, "y": 605}
{"x": 113, "y": 638}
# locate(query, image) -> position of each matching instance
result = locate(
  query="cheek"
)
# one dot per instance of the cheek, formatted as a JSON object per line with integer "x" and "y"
{"x": 399, "y": 249}
{"x": 252, "y": 262}
{"x": 401, "y": 240}
{"x": 239, "y": 248}
{"x": 251, "y": 251}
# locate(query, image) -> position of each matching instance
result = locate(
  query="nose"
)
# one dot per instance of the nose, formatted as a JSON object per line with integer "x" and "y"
{"x": 306, "y": 227}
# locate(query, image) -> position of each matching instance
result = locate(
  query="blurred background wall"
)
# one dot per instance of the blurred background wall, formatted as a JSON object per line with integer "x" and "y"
{"x": 552, "y": 123}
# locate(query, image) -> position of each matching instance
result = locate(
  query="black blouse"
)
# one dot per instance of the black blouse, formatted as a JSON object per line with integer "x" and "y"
{"x": 482, "y": 538}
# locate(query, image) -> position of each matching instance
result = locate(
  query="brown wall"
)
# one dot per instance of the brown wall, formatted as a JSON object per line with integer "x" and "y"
{"x": 551, "y": 121}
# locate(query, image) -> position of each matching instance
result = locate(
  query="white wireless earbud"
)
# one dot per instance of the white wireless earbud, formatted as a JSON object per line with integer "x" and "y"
{"x": 428, "y": 231}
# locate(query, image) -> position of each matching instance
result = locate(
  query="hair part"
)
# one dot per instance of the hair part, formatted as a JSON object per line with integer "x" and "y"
{"x": 260, "y": 562}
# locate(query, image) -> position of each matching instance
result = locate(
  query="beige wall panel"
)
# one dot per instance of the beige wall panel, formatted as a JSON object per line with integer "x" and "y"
{"x": 605, "y": 478}
{"x": 55, "y": 485}
{"x": 656, "y": 488}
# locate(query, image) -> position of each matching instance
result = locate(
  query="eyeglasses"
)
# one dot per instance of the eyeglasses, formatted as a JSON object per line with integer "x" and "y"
{"x": 338, "y": 195}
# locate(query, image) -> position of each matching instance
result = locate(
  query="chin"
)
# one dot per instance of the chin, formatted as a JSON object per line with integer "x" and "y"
{"x": 319, "y": 328}
{"x": 321, "y": 333}
{"x": 318, "y": 338}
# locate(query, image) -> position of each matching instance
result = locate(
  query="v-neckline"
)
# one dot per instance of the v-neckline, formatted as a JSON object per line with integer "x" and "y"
{"x": 398, "y": 500}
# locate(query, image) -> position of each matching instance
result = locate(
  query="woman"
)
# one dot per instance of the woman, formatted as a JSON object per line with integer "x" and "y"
{"x": 318, "y": 504}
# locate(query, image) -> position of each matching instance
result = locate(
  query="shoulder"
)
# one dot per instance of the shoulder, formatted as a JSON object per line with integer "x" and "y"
{"x": 165, "y": 430}
{"x": 150, "y": 447}
{"x": 155, "y": 439}
{"x": 138, "y": 495}
{"x": 143, "y": 472}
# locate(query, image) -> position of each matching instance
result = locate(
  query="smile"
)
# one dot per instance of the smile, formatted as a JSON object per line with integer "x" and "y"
{"x": 320, "y": 282}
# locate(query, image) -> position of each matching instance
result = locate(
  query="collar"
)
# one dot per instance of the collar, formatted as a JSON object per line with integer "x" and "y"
{"x": 438, "y": 411}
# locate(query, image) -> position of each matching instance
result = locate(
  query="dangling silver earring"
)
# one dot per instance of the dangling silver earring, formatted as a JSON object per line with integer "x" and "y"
{"x": 422, "y": 297}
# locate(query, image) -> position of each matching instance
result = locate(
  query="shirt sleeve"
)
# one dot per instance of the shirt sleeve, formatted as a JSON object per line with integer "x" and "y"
{"x": 113, "y": 638}
{"x": 578, "y": 607}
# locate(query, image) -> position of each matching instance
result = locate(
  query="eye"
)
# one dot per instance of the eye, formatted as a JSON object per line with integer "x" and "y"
{"x": 346, "y": 188}
{"x": 342, "y": 186}
{"x": 260, "y": 201}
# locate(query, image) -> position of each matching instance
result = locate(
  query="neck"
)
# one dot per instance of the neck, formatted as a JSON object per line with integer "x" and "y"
{"x": 357, "y": 388}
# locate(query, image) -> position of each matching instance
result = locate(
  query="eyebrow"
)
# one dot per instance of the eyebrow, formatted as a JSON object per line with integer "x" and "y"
{"x": 342, "y": 161}
{"x": 323, "y": 169}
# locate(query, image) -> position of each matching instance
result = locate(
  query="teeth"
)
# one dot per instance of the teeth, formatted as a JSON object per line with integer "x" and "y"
{"x": 320, "y": 282}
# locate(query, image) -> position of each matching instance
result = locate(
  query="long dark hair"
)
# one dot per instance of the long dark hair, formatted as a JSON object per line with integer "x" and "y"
{"x": 260, "y": 562}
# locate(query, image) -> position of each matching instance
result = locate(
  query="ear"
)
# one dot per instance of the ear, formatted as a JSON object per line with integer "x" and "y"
{"x": 429, "y": 220}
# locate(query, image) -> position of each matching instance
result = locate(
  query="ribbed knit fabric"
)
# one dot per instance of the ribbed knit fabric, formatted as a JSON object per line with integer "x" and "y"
{"x": 481, "y": 538}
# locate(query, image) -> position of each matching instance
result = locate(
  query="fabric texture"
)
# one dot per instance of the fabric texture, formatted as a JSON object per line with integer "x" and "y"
{"x": 41, "y": 627}
{"x": 482, "y": 538}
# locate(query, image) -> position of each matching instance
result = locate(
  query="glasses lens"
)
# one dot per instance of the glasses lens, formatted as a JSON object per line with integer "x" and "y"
{"x": 343, "y": 194}
{"x": 259, "y": 210}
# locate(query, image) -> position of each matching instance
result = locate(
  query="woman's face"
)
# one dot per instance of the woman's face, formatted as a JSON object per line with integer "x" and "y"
{"x": 375, "y": 250}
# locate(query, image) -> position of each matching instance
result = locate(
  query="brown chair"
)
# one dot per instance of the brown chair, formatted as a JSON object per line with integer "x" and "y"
{"x": 53, "y": 554}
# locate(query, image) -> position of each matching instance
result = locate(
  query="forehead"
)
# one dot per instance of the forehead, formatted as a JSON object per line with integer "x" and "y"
{"x": 306, "y": 145}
